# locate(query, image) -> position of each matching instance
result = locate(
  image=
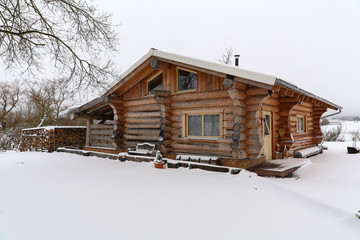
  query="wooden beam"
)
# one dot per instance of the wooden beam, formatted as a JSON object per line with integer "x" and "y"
{"x": 121, "y": 82}
{"x": 113, "y": 99}
{"x": 74, "y": 116}
{"x": 159, "y": 65}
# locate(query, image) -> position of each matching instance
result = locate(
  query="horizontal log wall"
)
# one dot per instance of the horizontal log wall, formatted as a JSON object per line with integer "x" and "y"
{"x": 161, "y": 118}
{"x": 142, "y": 121}
{"x": 201, "y": 103}
{"x": 154, "y": 118}
{"x": 305, "y": 138}
{"x": 317, "y": 113}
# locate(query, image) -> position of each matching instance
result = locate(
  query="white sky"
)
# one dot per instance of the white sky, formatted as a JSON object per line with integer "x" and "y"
{"x": 312, "y": 43}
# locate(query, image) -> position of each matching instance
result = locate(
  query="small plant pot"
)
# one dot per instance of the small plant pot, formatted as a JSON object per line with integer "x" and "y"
{"x": 159, "y": 165}
{"x": 352, "y": 150}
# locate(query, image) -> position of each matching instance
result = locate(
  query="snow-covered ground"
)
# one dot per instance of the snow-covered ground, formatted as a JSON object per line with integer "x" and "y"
{"x": 64, "y": 196}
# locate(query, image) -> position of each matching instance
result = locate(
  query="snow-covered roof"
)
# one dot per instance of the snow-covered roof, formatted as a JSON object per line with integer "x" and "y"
{"x": 254, "y": 78}
{"x": 51, "y": 127}
{"x": 217, "y": 67}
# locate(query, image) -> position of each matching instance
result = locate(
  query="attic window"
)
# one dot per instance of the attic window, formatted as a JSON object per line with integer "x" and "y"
{"x": 186, "y": 80}
{"x": 155, "y": 83}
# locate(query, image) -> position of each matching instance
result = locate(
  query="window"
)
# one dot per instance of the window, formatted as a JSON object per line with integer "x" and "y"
{"x": 155, "y": 83}
{"x": 267, "y": 127}
{"x": 203, "y": 125}
{"x": 186, "y": 80}
{"x": 301, "y": 124}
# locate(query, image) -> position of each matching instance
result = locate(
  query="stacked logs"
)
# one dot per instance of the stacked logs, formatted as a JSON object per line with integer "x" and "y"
{"x": 164, "y": 101}
{"x": 50, "y": 138}
{"x": 117, "y": 104}
{"x": 238, "y": 96}
{"x": 69, "y": 136}
{"x": 36, "y": 139}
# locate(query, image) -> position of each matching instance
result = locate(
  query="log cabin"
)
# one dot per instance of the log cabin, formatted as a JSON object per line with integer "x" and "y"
{"x": 190, "y": 106}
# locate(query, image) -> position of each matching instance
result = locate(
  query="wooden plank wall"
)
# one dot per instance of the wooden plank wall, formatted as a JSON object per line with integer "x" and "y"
{"x": 101, "y": 135}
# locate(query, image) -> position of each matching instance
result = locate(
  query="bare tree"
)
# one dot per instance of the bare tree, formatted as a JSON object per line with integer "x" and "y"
{"x": 72, "y": 33}
{"x": 48, "y": 98}
{"x": 227, "y": 56}
{"x": 9, "y": 98}
{"x": 333, "y": 134}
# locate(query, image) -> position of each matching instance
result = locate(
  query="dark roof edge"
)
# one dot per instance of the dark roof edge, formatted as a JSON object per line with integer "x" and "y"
{"x": 302, "y": 91}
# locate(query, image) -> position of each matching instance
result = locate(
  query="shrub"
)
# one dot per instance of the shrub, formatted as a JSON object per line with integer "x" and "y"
{"x": 333, "y": 134}
{"x": 325, "y": 122}
{"x": 355, "y": 136}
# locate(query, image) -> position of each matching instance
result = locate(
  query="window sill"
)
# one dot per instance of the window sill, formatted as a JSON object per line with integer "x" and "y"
{"x": 186, "y": 91}
{"x": 203, "y": 138}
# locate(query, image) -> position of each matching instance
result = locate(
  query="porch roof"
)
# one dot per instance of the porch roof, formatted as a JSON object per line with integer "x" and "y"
{"x": 97, "y": 108}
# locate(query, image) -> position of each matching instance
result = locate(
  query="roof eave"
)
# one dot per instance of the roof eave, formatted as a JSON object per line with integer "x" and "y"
{"x": 306, "y": 93}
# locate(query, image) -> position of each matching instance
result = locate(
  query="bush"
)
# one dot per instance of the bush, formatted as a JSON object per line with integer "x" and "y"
{"x": 325, "y": 122}
{"x": 333, "y": 135}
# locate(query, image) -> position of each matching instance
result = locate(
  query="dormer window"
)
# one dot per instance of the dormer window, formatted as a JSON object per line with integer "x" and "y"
{"x": 186, "y": 80}
{"x": 155, "y": 83}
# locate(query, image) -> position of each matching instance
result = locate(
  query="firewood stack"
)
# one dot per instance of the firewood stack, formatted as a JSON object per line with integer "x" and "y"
{"x": 50, "y": 138}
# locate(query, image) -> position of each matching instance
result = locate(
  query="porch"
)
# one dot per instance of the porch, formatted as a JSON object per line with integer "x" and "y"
{"x": 279, "y": 167}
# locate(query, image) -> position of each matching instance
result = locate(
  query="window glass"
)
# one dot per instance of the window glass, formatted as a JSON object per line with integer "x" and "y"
{"x": 267, "y": 125}
{"x": 194, "y": 125}
{"x": 300, "y": 122}
{"x": 211, "y": 125}
{"x": 186, "y": 80}
{"x": 155, "y": 84}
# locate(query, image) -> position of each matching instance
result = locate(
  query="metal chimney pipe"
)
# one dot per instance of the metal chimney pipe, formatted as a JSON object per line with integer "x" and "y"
{"x": 237, "y": 60}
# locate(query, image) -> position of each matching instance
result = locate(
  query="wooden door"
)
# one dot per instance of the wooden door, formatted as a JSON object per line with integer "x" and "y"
{"x": 267, "y": 131}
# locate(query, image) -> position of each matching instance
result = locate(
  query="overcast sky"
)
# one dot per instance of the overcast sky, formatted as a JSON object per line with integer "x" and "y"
{"x": 312, "y": 43}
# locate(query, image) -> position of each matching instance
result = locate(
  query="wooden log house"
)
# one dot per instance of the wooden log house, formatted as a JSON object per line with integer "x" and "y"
{"x": 191, "y": 106}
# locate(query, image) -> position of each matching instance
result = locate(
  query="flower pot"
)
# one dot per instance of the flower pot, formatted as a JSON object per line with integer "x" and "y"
{"x": 352, "y": 150}
{"x": 159, "y": 165}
